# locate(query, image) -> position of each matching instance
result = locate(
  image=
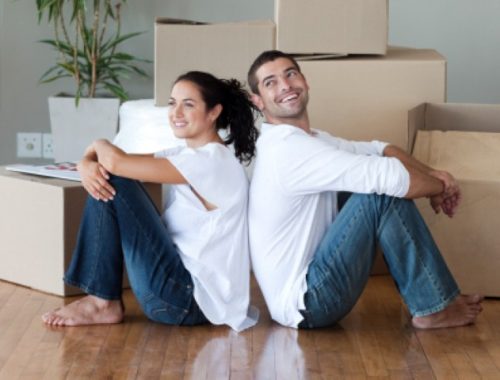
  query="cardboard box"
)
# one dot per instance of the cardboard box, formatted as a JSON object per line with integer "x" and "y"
{"x": 225, "y": 50}
{"x": 365, "y": 98}
{"x": 469, "y": 242}
{"x": 332, "y": 26}
{"x": 39, "y": 222}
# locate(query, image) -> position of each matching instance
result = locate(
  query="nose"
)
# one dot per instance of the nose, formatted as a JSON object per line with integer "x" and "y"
{"x": 176, "y": 110}
{"x": 284, "y": 84}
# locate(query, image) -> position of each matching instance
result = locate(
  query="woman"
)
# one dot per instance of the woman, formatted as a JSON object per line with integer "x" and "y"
{"x": 190, "y": 265}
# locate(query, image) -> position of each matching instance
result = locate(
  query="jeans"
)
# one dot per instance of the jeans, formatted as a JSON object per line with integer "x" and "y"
{"x": 342, "y": 262}
{"x": 129, "y": 230}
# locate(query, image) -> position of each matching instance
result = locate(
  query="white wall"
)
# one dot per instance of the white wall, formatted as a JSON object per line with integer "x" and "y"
{"x": 466, "y": 32}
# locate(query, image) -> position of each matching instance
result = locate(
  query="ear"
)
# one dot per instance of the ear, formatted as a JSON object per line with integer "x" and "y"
{"x": 257, "y": 100}
{"x": 215, "y": 112}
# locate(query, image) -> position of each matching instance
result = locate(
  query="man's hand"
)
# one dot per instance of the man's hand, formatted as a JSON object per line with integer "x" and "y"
{"x": 451, "y": 196}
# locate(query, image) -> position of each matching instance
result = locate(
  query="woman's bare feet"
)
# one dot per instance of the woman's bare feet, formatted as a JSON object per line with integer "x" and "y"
{"x": 463, "y": 311}
{"x": 89, "y": 310}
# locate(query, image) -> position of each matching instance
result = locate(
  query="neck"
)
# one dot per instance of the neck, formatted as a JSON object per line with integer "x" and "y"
{"x": 301, "y": 122}
{"x": 203, "y": 140}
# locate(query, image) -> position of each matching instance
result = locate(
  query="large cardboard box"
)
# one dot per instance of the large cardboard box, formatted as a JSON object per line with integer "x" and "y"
{"x": 225, "y": 50}
{"x": 365, "y": 98}
{"x": 464, "y": 139}
{"x": 332, "y": 26}
{"x": 39, "y": 221}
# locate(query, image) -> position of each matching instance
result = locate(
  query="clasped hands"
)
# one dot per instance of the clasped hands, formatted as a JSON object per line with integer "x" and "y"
{"x": 94, "y": 176}
{"x": 451, "y": 196}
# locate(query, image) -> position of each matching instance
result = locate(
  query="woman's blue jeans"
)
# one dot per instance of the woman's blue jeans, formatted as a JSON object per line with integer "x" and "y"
{"x": 342, "y": 263}
{"x": 129, "y": 230}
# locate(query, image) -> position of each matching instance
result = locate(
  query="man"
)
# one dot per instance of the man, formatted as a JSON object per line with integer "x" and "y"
{"x": 312, "y": 262}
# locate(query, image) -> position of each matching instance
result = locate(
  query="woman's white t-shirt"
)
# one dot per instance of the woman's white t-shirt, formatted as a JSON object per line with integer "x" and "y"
{"x": 213, "y": 245}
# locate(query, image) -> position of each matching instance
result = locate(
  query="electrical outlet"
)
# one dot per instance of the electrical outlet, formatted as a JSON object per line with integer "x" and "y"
{"x": 29, "y": 145}
{"x": 47, "y": 146}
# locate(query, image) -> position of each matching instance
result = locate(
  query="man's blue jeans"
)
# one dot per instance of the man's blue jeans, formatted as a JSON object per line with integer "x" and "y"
{"x": 342, "y": 263}
{"x": 129, "y": 230}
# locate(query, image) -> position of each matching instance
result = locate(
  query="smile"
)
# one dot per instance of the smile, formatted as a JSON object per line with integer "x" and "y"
{"x": 288, "y": 97}
{"x": 179, "y": 124}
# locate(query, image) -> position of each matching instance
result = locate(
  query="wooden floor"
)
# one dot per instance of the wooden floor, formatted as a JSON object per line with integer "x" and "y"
{"x": 375, "y": 341}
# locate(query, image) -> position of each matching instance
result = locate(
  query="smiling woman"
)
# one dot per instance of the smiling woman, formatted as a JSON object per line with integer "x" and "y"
{"x": 189, "y": 265}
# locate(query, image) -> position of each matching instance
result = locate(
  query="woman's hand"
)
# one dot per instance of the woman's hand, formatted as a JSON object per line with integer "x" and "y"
{"x": 95, "y": 177}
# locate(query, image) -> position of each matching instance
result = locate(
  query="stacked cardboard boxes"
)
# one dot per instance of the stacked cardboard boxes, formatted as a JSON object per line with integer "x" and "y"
{"x": 331, "y": 26}
{"x": 224, "y": 50}
{"x": 368, "y": 97}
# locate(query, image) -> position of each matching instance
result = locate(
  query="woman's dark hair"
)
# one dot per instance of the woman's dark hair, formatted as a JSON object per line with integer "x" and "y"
{"x": 238, "y": 111}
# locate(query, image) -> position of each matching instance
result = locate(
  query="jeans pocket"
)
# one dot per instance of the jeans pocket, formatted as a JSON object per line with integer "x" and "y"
{"x": 161, "y": 311}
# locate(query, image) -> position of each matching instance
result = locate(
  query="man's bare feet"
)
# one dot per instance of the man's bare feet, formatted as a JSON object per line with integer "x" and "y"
{"x": 88, "y": 310}
{"x": 463, "y": 311}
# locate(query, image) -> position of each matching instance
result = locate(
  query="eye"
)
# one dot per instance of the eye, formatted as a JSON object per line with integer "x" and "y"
{"x": 292, "y": 74}
{"x": 269, "y": 83}
{"x": 171, "y": 102}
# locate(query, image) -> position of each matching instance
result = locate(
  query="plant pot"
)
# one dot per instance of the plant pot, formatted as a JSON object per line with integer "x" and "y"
{"x": 74, "y": 128}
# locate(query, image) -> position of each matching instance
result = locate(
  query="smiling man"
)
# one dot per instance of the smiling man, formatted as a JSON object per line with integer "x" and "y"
{"x": 311, "y": 261}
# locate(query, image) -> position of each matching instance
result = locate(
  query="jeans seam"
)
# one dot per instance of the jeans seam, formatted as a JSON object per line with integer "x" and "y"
{"x": 437, "y": 288}
{"x": 309, "y": 319}
{"x": 149, "y": 238}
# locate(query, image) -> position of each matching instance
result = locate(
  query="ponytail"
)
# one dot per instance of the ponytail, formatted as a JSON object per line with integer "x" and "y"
{"x": 238, "y": 111}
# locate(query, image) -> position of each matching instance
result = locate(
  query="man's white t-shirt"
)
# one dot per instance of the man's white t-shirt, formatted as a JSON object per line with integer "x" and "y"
{"x": 213, "y": 245}
{"x": 293, "y": 200}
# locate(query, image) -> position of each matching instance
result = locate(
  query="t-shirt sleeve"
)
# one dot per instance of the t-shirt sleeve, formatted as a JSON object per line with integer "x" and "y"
{"x": 307, "y": 165}
{"x": 209, "y": 171}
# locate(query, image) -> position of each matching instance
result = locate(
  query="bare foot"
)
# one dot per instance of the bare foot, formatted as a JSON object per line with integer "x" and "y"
{"x": 89, "y": 310}
{"x": 463, "y": 311}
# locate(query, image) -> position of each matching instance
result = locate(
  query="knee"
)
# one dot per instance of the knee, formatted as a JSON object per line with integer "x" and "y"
{"x": 122, "y": 182}
{"x": 383, "y": 202}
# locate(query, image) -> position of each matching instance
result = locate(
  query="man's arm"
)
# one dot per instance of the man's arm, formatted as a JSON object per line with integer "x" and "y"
{"x": 440, "y": 186}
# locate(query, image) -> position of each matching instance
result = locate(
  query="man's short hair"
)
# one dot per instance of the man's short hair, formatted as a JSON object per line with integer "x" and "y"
{"x": 267, "y": 56}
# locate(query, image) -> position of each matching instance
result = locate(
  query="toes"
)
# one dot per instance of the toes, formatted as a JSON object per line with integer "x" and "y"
{"x": 475, "y": 298}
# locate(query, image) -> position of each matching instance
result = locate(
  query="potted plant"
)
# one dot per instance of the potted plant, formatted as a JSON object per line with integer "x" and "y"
{"x": 87, "y": 38}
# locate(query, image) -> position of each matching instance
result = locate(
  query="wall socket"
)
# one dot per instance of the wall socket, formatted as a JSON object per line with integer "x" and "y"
{"x": 47, "y": 146}
{"x": 29, "y": 145}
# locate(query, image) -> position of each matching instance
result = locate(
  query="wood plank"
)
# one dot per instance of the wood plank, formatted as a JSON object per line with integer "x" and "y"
{"x": 376, "y": 341}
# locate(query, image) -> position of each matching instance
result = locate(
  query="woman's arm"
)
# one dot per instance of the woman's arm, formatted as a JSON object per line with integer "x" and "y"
{"x": 102, "y": 158}
{"x": 145, "y": 168}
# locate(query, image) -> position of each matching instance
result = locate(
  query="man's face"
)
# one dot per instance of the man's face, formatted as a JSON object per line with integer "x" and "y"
{"x": 283, "y": 91}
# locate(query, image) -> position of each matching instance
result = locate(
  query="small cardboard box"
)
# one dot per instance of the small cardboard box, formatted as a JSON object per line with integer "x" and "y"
{"x": 368, "y": 97}
{"x": 224, "y": 50}
{"x": 39, "y": 222}
{"x": 332, "y": 26}
{"x": 464, "y": 139}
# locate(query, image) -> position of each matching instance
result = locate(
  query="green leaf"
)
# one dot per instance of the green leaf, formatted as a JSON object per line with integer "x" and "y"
{"x": 116, "y": 90}
{"x": 111, "y": 65}
{"x": 113, "y": 42}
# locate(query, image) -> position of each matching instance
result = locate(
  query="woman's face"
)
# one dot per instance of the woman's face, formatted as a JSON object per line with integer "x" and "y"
{"x": 188, "y": 114}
